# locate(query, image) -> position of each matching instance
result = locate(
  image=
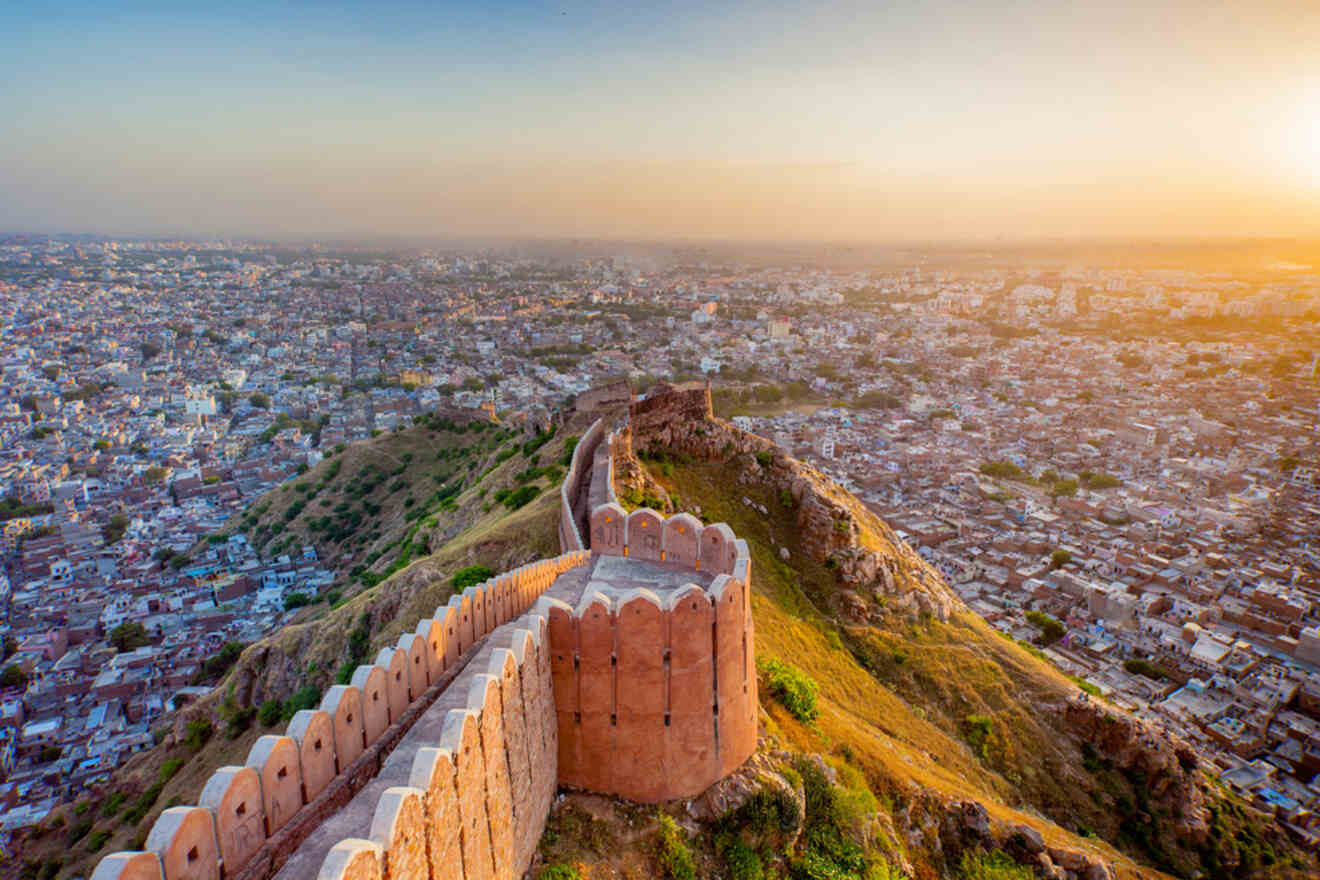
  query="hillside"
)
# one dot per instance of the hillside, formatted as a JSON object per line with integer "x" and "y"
{"x": 370, "y": 507}
{"x": 453, "y": 472}
{"x": 902, "y": 736}
{"x": 958, "y": 737}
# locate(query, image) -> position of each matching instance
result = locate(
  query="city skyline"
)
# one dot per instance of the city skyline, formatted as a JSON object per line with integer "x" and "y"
{"x": 987, "y": 121}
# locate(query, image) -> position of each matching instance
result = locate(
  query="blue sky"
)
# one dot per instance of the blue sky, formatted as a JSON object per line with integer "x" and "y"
{"x": 911, "y": 120}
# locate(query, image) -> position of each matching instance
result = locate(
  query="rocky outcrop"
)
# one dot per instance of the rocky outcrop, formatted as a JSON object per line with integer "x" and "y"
{"x": 880, "y": 569}
{"x": 761, "y": 776}
{"x": 1166, "y": 767}
{"x": 878, "y": 576}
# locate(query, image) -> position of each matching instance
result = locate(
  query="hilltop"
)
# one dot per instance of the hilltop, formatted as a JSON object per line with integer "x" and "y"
{"x": 959, "y": 737}
{"x": 902, "y": 736}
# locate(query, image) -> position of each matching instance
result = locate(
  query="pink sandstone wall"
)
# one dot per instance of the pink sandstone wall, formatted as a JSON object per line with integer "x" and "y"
{"x": 479, "y": 798}
{"x": 570, "y": 538}
{"x": 647, "y": 697}
{"x": 655, "y": 697}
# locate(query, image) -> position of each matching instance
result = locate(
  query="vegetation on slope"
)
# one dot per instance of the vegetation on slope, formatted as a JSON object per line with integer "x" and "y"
{"x": 260, "y": 686}
{"x": 936, "y": 712}
{"x": 371, "y": 508}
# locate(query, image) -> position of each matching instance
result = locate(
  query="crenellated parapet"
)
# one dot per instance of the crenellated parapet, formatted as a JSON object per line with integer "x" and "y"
{"x": 625, "y": 669}
{"x": 572, "y": 489}
{"x": 248, "y": 818}
{"x": 655, "y": 685}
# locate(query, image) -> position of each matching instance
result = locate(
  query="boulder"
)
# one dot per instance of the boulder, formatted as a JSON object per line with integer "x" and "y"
{"x": 1046, "y": 867}
{"x": 1068, "y": 859}
{"x": 1096, "y": 871}
{"x": 760, "y": 774}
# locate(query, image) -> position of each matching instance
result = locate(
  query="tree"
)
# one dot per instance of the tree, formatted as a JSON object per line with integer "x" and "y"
{"x": 1060, "y": 558}
{"x": 114, "y": 530}
{"x": 154, "y": 474}
{"x": 798, "y": 390}
{"x": 1096, "y": 482}
{"x": 1063, "y": 487}
{"x": 260, "y": 400}
{"x": 296, "y": 600}
{"x": 12, "y": 676}
{"x": 149, "y": 350}
{"x": 1004, "y": 470}
{"x": 1138, "y": 666}
{"x": 129, "y": 636}
{"x": 1050, "y": 629}
{"x": 877, "y": 399}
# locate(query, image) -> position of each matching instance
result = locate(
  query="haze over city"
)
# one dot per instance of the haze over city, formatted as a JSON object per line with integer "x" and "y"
{"x": 568, "y": 441}
{"x": 919, "y": 121}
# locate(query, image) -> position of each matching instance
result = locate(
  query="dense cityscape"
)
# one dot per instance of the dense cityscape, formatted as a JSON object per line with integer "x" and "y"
{"x": 1119, "y": 466}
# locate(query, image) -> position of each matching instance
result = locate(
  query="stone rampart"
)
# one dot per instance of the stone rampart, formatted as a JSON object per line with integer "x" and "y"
{"x": 440, "y": 760}
{"x": 579, "y": 472}
{"x": 250, "y": 819}
{"x": 655, "y": 690}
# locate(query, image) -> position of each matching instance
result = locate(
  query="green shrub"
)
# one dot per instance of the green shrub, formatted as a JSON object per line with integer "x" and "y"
{"x": 570, "y": 444}
{"x": 521, "y": 496}
{"x": 792, "y": 687}
{"x": 308, "y": 697}
{"x": 112, "y": 804}
{"x": 135, "y": 814}
{"x": 269, "y": 713}
{"x": 827, "y": 851}
{"x": 991, "y": 866}
{"x": 559, "y": 872}
{"x": 79, "y": 829}
{"x": 675, "y": 856}
{"x": 218, "y": 665}
{"x": 772, "y": 810}
{"x": 469, "y": 577}
{"x": 1138, "y": 666}
{"x": 197, "y": 733}
{"x": 1050, "y": 629}
{"x": 296, "y": 600}
{"x": 977, "y": 730}
{"x": 169, "y": 768}
{"x": 97, "y": 840}
{"x": 744, "y": 864}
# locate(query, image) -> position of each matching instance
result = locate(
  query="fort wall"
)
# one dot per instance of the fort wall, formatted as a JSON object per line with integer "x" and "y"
{"x": 479, "y": 662}
{"x": 579, "y": 471}
{"x": 441, "y": 758}
{"x": 655, "y": 693}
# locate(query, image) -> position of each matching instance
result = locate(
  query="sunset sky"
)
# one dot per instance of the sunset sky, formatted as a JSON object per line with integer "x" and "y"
{"x": 921, "y": 121}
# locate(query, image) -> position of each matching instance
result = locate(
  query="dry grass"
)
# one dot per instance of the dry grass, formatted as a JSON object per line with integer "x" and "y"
{"x": 900, "y": 721}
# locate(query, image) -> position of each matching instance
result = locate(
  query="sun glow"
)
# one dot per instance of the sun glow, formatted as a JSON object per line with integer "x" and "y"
{"x": 1304, "y": 140}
